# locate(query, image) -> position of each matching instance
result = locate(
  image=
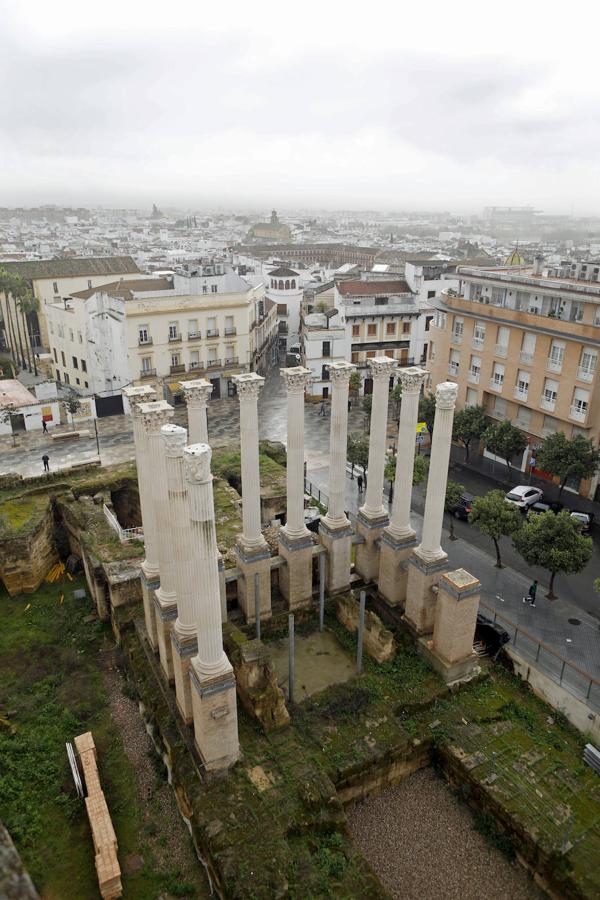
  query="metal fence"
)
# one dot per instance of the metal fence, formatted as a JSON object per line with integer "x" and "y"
{"x": 124, "y": 534}
{"x": 321, "y": 497}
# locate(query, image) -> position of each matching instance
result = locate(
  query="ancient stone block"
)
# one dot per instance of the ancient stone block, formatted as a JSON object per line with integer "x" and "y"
{"x": 378, "y": 640}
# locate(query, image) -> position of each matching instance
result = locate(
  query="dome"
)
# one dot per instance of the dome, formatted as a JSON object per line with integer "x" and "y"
{"x": 515, "y": 258}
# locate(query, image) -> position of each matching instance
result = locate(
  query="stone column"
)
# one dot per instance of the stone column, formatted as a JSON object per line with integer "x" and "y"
{"x": 252, "y": 549}
{"x": 398, "y": 539}
{"x": 373, "y": 516}
{"x": 335, "y": 530}
{"x": 154, "y": 416}
{"x": 429, "y": 561}
{"x": 451, "y": 651}
{"x": 212, "y": 680}
{"x": 149, "y": 574}
{"x": 295, "y": 540}
{"x": 197, "y": 394}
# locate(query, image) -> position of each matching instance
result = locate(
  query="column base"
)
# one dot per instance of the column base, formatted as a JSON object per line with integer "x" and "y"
{"x": 338, "y": 542}
{"x": 367, "y": 553}
{"x": 295, "y": 576}
{"x": 455, "y": 672}
{"x": 252, "y": 561}
{"x": 166, "y": 613}
{"x": 421, "y": 599}
{"x": 183, "y": 647}
{"x": 149, "y": 586}
{"x": 214, "y": 707}
{"x": 394, "y": 554}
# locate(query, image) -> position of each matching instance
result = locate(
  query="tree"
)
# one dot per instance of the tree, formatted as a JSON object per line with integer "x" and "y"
{"x": 505, "y": 441}
{"x": 28, "y": 304}
{"x": 420, "y": 469}
{"x": 564, "y": 458}
{"x": 72, "y": 404}
{"x": 367, "y": 405}
{"x": 454, "y": 492}
{"x": 493, "y": 516}
{"x": 427, "y": 411}
{"x": 357, "y": 452}
{"x": 553, "y": 541}
{"x": 396, "y": 398}
{"x": 355, "y": 382}
{"x": 470, "y": 424}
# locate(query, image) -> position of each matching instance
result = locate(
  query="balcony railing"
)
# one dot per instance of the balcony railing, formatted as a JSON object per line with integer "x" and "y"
{"x": 452, "y": 368}
{"x": 473, "y": 377}
{"x": 520, "y": 393}
{"x": 496, "y": 385}
{"x": 526, "y": 358}
{"x": 174, "y": 338}
{"x": 213, "y": 364}
{"x": 144, "y": 342}
{"x": 231, "y": 330}
{"x": 194, "y": 336}
{"x": 212, "y": 332}
{"x": 547, "y": 403}
{"x": 501, "y": 350}
{"x": 553, "y": 365}
{"x": 231, "y": 361}
{"x": 177, "y": 370}
{"x": 578, "y": 413}
{"x": 477, "y": 343}
{"x": 585, "y": 374}
{"x": 148, "y": 373}
{"x": 456, "y": 338}
{"x": 196, "y": 365}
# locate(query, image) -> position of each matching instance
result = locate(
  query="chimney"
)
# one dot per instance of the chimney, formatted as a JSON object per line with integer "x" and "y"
{"x": 538, "y": 265}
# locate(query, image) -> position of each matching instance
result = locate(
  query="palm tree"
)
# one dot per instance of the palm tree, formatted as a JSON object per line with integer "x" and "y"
{"x": 6, "y": 286}
{"x": 28, "y": 304}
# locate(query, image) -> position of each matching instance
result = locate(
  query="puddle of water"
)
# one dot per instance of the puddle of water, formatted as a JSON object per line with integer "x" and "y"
{"x": 320, "y": 662}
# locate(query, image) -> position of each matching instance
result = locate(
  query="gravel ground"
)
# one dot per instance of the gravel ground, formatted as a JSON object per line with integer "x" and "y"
{"x": 420, "y": 841}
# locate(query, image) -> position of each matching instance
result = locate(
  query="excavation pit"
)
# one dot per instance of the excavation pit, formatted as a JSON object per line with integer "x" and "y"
{"x": 320, "y": 662}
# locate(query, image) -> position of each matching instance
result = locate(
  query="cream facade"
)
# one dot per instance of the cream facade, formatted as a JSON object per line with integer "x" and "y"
{"x": 524, "y": 344}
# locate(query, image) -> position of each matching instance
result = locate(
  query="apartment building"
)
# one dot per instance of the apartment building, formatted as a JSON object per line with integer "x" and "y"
{"x": 323, "y": 341}
{"x": 523, "y": 343}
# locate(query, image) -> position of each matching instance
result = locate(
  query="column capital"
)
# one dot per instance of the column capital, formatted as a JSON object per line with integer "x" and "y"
{"x": 341, "y": 371}
{"x": 248, "y": 385}
{"x": 198, "y": 391}
{"x": 197, "y": 459}
{"x": 445, "y": 395}
{"x": 381, "y": 367}
{"x": 154, "y": 415}
{"x": 296, "y": 379}
{"x": 412, "y": 379}
{"x": 144, "y": 393}
{"x": 174, "y": 439}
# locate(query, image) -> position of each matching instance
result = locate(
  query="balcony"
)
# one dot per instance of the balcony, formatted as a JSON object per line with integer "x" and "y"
{"x": 578, "y": 413}
{"x": 473, "y": 376}
{"x": 453, "y": 369}
{"x": 213, "y": 364}
{"x": 148, "y": 373}
{"x": 547, "y": 403}
{"x": 212, "y": 332}
{"x": 553, "y": 365}
{"x": 177, "y": 370}
{"x": 496, "y": 385}
{"x": 194, "y": 336}
{"x": 520, "y": 393}
{"x": 145, "y": 341}
{"x": 175, "y": 338}
{"x": 502, "y": 350}
{"x": 195, "y": 365}
{"x": 456, "y": 338}
{"x": 231, "y": 361}
{"x": 526, "y": 358}
{"x": 232, "y": 330}
{"x": 585, "y": 374}
{"x": 477, "y": 343}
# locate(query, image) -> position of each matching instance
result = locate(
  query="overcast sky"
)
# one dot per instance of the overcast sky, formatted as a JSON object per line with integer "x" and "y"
{"x": 453, "y": 105}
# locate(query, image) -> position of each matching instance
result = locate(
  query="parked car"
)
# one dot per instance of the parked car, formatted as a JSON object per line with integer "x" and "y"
{"x": 545, "y": 506}
{"x": 492, "y": 634}
{"x": 463, "y": 507}
{"x": 584, "y": 519}
{"x": 524, "y": 496}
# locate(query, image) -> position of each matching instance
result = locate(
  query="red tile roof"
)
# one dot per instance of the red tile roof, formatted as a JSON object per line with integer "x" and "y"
{"x": 372, "y": 288}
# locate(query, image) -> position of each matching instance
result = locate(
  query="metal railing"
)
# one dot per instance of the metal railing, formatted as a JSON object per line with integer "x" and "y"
{"x": 177, "y": 369}
{"x": 175, "y": 338}
{"x": 124, "y": 534}
{"x": 147, "y": 373}
{"x": 231, "y": 330}
{"x": 212, "y": 332}
{"x": 194, "y": 335}
{"x": 321, "y": 497}
{"x": 144, "y": 342}
{"x": 213, "y": 363}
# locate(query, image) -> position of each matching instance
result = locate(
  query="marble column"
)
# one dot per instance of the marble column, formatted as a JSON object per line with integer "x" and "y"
{"x": 149, "y": 574}
{"x": 373, "y": 516}
{"x": 252, "y": 550}
{"x": 429, "y": 560}
{"x": 154, "y": 416}
{"x": 214, "y": 705}
{"x": 335, "y": 531}
{"x": 295, "y": 540}
{"x": 398, "y": 539}
{"x": 197, "y": 394}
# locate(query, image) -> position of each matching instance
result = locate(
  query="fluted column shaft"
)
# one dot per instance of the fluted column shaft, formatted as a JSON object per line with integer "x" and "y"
{"x": 136, "y": 397}
{"x": 445, "y": 400}
{"x": 382, "y": 369}
{"x": 174, "y": 442}
{"x": 411, "y": 380}
{"x": 211, "y": 659}
{"x": 197, "y": 394}
{"x": 248, "y": 387}
{"x": 339, "y": 374}
{"x": 296, "y": 379}
{"x": 154, "y": 416}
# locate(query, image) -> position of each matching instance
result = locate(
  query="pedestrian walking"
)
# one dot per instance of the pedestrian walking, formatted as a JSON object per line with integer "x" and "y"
{"x": 530, "y": 598}
{"x": 359, "y": 481}
{"x": 44, "y": 427}
{"x": 46, "y": 461}
{"x": 322, "y": 408}
{"x": 349, "y": 404}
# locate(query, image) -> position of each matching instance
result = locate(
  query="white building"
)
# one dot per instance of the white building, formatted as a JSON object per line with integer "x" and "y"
{"x": 22, "y": 411}
{"x": 323, "y": 341}
{"x": 285, "y": 288}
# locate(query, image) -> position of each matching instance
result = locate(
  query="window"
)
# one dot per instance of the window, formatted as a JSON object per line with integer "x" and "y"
{"x": 457, "y": 329}
{"x": 211, "y": 329}
{"x": 89, "y": 282}
{"x": 523, "y": 419}
{"x": 143, "y": 335}
{"x": 77, "y": 381}
{"x": 62, "y": 353}
{"x": 175, "y": 359}
{"x": 499, "y": 408}
{"x": 229, "y": 326}
{"x": 522, "y": 387}
{"x": 428, "y": 321}
{"x": 85, "y": 384}
{"x": 497, "y": 376}
{"x": 479, "y": 334}
{"x": 550, "y": 424}
{"x": 55, "y": 286}
{"x": 371, "y": 330}
{"x": 587, "y": 364}
{"x": 173, "y": 331}
{"x": 214, "y": 288}
{"x": 229, "y": 353}
{"x": 80, "y": 336}
{"x": 475, "y": 369}
{"x": 55, "y": 356}
{"x": 579, "y": 407}
{"x": 502, "y": 339}
{"x": 471, "y": 398}
{"x": 370, "y": 354}
{"x": 390, "y": 328}
{"x": 430, "y": 294}
{"x": 67, "y": 378}
{"x": 194, "y": 359}
{"x": 326, "y": 350}
{"x": 528, "y": 347}
{"x": 381, "y": 301}
{"x": 355, "y": 330}
{"x": 83, "y": 365}
{"x": 406, "y": 328}
{"x": 440, "y": 320}
{"x": 576, "y": 314}
{"x": 205, "y": 289}
{"x": 192, "y": 326}
{"x": 75, "y": 362}
{"x": 71, "y": 336}
{"x": 146, "y": 363}
{"x": 453, "y": 362}
{"x": 58, "y": 376}
{"x": 212, "y": 354}
{"x": 549, "y": 394}
{"x": 354, "y": 357}
{"x": 498, "y": 296}
{"x": 557, "y": 354}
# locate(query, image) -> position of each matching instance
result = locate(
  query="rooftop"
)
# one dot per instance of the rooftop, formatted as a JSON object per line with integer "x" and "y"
{"x": 71, "y": 268}
{"x": 372, "y": 288}
{"x": 127, "y": 289}
{"x": 13, "y": 393}
{"x": 283, "y": 272}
